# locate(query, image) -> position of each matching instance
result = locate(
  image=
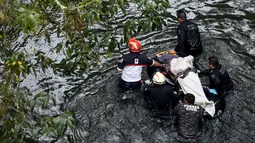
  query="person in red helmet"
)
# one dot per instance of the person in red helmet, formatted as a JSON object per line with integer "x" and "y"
{"x": 132, "y": 64}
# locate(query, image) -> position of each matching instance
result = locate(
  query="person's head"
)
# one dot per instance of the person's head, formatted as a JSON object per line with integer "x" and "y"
{"x": 134, "y": 45}
{"x": 189, "y": 98}
{"x": 158, "y": 78}
{"x": 212, "y": 62}
{"x": 181, "y": 15}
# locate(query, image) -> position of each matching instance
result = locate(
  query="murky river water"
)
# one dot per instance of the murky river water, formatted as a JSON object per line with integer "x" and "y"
{"x": 228, "y": 31}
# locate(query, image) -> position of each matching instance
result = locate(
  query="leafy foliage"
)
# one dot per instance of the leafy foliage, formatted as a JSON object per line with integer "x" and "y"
{"x": 77, "y": 21}
{"x": 15, "y": 66}
{"x": 21, "y": 118}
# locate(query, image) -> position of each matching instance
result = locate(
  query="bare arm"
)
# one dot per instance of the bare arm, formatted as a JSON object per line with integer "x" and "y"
{"x": 156, "y": 64}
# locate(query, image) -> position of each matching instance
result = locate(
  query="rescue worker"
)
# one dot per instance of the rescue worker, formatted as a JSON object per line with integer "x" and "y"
{"x": 218, "y": 75}
{"x": 132, "y": 64}
{"x": 161, "y": 96}
{"x": 189, "y": 42}
{"x": 189, "y": 117}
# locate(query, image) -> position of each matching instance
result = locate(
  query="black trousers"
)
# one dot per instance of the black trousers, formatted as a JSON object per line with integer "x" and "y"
{"x": 196, "y": 55}
{"x": 129, "y": 85}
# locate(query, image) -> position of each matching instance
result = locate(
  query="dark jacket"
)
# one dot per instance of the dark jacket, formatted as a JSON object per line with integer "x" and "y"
{"x": 161, "y": 96}
{"x": 188, "y": 39}
{"x": 219, "y": 79}
{"x": 189, "y": 119}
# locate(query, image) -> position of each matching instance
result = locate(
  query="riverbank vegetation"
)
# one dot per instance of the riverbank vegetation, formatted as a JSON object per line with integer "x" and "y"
{"x": 87, "y": 28}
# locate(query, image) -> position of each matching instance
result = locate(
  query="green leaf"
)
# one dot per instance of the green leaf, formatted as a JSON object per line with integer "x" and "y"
{"x": 141, "y": 3}
{"x": 59, "y": 47}
{"x": 69, "y": 52}
{"x": 47, "y": 36}
{"x": 22, "y": 106}
{"x": 53, "y": 100}
{"x": 96, "y": 17}
{"x": 66, "y": 113}
{"x": 116, "y": 9}
{"x": 56, "y": 120}
{"x": 46, "y": 102}
{"x": 165, "y": 3}
{"x": 59, "y": 130}
{"x": 26, "y": 124}
{"x": 122, "y": 7}
{"x": 44, "y": 130}
{"x": 41, "y": 94}
{"x": 111, "y": 47}
{"x": 48, "y": 130}
{"x": 69, "y": 66}
{"x": 39, "y": 52}
{"x": 78, "y": 58}
{"x": 89, "y": 57}
{"x": 70, "y": 124}
{"x": 95, "y": 38}
{"x": 67, "y": 43}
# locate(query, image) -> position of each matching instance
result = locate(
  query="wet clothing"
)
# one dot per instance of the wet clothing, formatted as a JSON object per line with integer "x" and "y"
{"x": 131, "y": 66}
{"x": 189, "y": 119}
{"x": 189, "y": 42}
{"x": 220, "y": 103}
{"x": 129, "y": 85}
{"x": 162, "y": 97}
{"x": 219, "y": 79}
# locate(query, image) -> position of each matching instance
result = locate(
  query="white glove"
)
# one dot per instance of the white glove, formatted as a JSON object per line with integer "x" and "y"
{"x": 148, "y": 82}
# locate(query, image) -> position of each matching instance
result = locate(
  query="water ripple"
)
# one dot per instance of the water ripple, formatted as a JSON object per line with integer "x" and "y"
{"x": 103, "y": 115}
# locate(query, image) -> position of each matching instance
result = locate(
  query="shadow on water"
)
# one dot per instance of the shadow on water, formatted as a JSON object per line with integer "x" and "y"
{"x": 103, "y": 115}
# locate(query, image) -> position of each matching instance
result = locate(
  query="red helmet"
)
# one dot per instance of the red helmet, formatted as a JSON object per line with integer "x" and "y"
{"x": 134, "y": 45}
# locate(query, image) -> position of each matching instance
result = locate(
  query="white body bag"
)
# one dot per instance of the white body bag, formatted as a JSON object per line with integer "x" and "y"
{"x": 191, "y": 83}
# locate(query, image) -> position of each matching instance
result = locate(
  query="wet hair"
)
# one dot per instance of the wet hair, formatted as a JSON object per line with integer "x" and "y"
{"x": 213, "y": 61}
{"x": 181, "y": 14}
{"x": 190, "y": 98}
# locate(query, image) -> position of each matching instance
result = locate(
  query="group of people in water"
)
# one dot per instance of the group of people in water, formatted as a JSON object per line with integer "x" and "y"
{"x": 174, "y": 87}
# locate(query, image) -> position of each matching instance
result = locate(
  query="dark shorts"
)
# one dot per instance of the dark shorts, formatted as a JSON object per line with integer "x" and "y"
{"x": 129, "y": 85}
